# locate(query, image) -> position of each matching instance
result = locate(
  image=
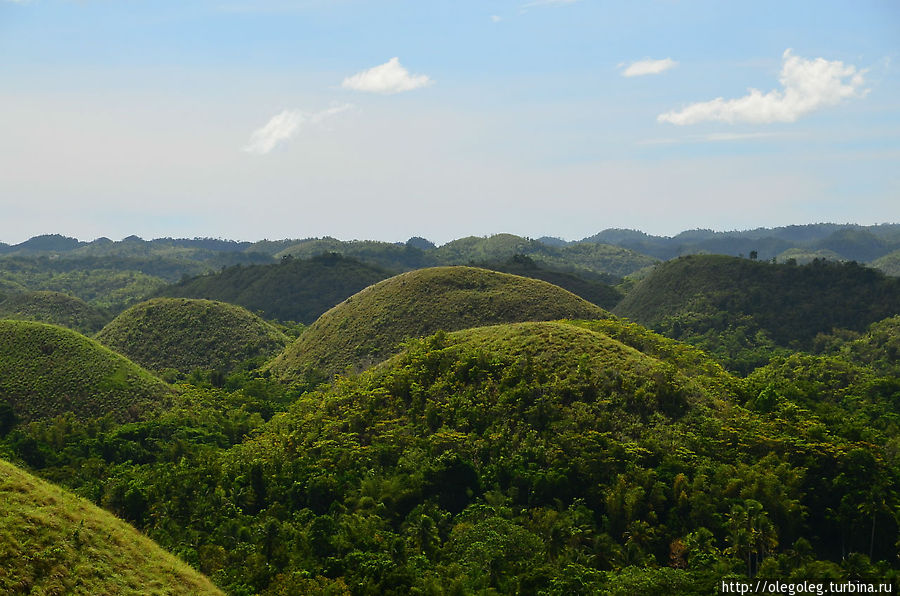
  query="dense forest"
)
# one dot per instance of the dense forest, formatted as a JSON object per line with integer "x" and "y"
{"x": 625, "y": 414}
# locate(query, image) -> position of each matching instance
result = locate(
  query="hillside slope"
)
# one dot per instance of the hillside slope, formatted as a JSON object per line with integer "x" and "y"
{"x": 707, "y": 299}
{"x": 55, "y": 308}
{"x": 292, "y": 290}
{"x": 186, "y": 334}
{"x": 46, "y": 371}
{"x": 369, "y": 326}
{"x": 52, "y": 542}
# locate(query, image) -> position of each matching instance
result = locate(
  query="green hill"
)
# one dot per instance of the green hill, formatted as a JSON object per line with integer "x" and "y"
{"x": 889, "y": 264}
{"x": 729, "y": 305}
{"x": 186, "y": 334}
{"x": 52, "y": 542}
{"x": 292, "y": 290}
{"x": 369, "y": 326}
{"x": 595, "y": 288}
{"x": 544, "y": 457}
{"x": 56, "y": 308}
{"x": 46, "y": 371}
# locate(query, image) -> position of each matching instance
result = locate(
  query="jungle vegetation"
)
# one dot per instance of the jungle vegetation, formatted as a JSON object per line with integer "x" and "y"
{"x": 449, "y": 429}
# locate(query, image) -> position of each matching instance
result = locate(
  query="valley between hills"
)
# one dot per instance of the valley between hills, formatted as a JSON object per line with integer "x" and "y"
{"x": 624, "y": 414}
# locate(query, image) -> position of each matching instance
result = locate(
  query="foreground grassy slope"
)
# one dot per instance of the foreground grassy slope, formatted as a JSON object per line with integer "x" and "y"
{"x": 46, "y": 371}
{"x": 292, "y": 290}
{"x": 186, "y": 334}
{"x": 727, "y": 304}
{"x": 52, "y": 542}
{"x": 56, "y": 308}
{"x": 369, "y": 326}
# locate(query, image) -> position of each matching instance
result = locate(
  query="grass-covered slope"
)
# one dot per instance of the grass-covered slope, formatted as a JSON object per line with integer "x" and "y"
{"x": 186, "y": 334}
{"x": 727, "y": 304}
{"x": 56, "y": 308}
{"x": 46, "y": 371}
{"x": 889, "y": 263}
{"x": 369, "y": 326}
{"x": 52, "y": 542}
{"x": 292, "y": 290}
{"x": 595, "y": 288}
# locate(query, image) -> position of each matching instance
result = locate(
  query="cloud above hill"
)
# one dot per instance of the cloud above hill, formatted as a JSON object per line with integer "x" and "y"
{"x": 285, "y": 125}
{"x": 388, "y": 78}
{"x": 808, "y": 85}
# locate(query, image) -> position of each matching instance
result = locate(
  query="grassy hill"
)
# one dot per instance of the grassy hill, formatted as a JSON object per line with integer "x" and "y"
{"x": 727, "y": 304}
{"x": 595, "y": 288}
{"x": 292, "y": 290}
{"x": 56, "y": 308}
{"x": 187, "y": 334}
{"x": 544, "y": 457}
{"x": 52, "y": 542}
{"x": 46, "y": 371}
{"x": 369, "y": 326}
{"x": 889, "y": 264}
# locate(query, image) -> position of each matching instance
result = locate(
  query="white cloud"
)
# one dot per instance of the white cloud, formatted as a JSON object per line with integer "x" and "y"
{"x": 648, "y": 67}
{"x": 388, "y": 78}
{"x": 548, "y": 3}
{"x": 282, "y": 127}
{"x": 496, "y": 18}
{"x": 808, "y": 85}
{"x": 713, "y": 138}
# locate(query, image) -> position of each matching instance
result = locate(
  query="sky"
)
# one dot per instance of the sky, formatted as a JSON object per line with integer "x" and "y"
{"x": 364, "y": 119}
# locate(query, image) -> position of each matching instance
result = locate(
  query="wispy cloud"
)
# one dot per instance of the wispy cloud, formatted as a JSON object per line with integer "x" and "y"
{"x": 284, "y": 126}
{"x": 536, "y": 3}
{"x": 715, "y": 137}
{"x": 495, "y": 18}
{"x": 808, "y": 85}
{"x": 648, "y": 67}
{"x": 388, "y": 78}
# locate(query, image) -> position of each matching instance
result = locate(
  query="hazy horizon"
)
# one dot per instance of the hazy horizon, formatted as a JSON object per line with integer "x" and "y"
{"x": 290, "y": 119}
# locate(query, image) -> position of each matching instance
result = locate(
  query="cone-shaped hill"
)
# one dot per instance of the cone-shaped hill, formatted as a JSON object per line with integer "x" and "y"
{"x": 369, "y": 326}
{"x": 706, "y": 294}
{"x": 187, "y": 334}
{"x": 56, "y": 308}
{"x": 292, "y": 290}
{"x": 56, "y": 543}
{"x": 46, "y": 371}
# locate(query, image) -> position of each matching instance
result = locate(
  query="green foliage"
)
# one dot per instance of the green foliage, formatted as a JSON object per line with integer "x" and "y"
{"x": 889, "y": 264}
{"x": 185, "y": 334}
{"x": 52, "y": 542}
{"x": 594, "y": 288}
{"x": 55, "y": 308}
{"x": 292, "y": 290}
{"x": 47, "y": 370}
{"x": 369, "y": 326}
{"x": 743, "y": 311}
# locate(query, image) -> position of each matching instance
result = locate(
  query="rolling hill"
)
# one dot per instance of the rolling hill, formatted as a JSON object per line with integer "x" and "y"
{"x": 370, "y": 325}
{"x": 187, "y": 334}
{"x": 46, "y": 371}
{"x": 52, "y": 542}
{"x": 292, "y": 290}
{"x": 727, "y": 304}
{"x": 55, "y": 308}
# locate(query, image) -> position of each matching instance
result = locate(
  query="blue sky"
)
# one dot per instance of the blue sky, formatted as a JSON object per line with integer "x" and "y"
{"x": 364, "y": 119}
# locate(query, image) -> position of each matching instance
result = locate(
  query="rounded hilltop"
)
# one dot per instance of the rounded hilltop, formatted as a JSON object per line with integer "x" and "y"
{"x": 62, "y": 544}
{"x": 53, "y": 307}
{"x": 47, "y": 370}
{"x": 186, "y": 334}
{"x": 370, "y": 325}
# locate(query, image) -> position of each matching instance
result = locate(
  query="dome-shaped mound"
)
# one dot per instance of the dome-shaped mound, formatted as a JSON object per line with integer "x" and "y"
{"x": 53, "y": 307}
{"x": 57, "y": 543}
{"x": 187, "y": 334}
{"x": 47, "y": 370}
{"x": 369, "y": 326}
